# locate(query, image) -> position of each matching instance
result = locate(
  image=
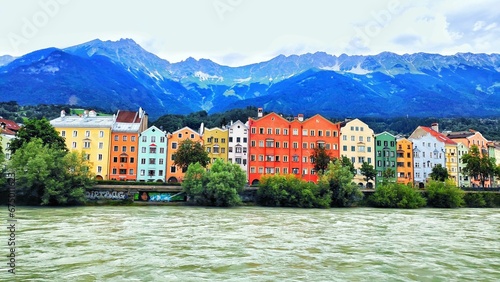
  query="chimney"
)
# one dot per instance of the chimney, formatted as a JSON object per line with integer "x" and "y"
{"x": 63, "y": 113}
{"x": 202, "y": 128}
{"x": 85, "y": 113}
{"x": 300, "y": 117}
{"x": 259, "y": 112}
{"x": 92, "y": 113}
{"x": 435, "y": 126}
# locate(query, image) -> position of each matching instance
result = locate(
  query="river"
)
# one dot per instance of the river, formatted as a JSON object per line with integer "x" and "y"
{"x": 167, "y": 243}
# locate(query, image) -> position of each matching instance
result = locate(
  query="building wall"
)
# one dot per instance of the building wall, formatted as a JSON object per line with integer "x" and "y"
{"x": 427, "y": 152}
{"x": 123, "y": 156}
{"x": 451, "y": 161}
{"x": 152, "y": 155}
{"x": 238, "y": 145}
{"x": 216, "y": 143}
{"x": 462, "y": 178}
{"x": 385, "y": 156}
{"x": 175, "y": 173}
{"x": 404, "y": 161}
{"x": 95, "y": 142}
{"x": 357, "y": 143}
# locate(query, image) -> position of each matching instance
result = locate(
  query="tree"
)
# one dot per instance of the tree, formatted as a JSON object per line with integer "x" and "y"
{"x": 397, "y": 195}
{"x": 388, "y": 174}
{"x": 477, "y": 165}
{"x": 321, "y": 158}
{"x": 339, "y": 180}
{"x": 346, "y": 162}
{"x": 49, "y": 176}
{"x": 218, "y": 187}
{"x": 444, "y": 194}
{"x": 41, "y": 129}
{"x": 368, "y": 171}
{"x": 190, "y": 152}
{"x": 439, "y": 173}
{"x": 3, "y": 180}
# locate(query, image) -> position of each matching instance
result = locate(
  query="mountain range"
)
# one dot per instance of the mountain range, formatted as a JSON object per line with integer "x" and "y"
{"x": 120, "y": 74}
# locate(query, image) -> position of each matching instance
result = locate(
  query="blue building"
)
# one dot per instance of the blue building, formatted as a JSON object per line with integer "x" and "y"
{"x": 152, "y": 155}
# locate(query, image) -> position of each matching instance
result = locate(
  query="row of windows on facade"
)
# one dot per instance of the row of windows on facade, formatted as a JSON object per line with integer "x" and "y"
{"x": 223, "y": 140}
{"x": 277, "y": 170}
{"x": 295, "y": 145}
{"x": 216, "y": 150}
{"x": 435, "y": 155}
{"x": 295, "y": 132}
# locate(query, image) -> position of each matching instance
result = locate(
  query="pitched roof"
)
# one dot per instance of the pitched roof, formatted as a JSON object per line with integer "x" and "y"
{"x": 8, "y": 127}
{"x": 128, "y": 117}
{"x": 439, "y": 136}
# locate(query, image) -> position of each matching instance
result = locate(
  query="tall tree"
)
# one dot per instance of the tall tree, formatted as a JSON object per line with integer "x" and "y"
{"x": 439, "y": 173}
{"x": 368, "y": 171}
{"x": 478, "y": 166}
{"x": 346, "y": 162}
{"x": 190, "y": 152}
{"x": 321, "y": 158}
{"x": 38, "y": 129}
{"x": 48, "y": 176}
{"x": 339, "y": 179}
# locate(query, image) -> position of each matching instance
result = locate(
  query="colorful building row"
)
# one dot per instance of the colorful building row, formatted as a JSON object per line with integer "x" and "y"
{"x": 121, "y": 147}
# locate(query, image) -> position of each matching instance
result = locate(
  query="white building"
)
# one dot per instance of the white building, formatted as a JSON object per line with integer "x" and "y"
{"x": 238, "y": 145}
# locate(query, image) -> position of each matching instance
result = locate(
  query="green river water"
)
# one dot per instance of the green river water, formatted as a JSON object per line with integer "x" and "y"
{"x": 167, "y": 243}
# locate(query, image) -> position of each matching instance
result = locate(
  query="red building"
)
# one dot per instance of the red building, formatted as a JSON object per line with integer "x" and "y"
{"x": 280, "y": 146}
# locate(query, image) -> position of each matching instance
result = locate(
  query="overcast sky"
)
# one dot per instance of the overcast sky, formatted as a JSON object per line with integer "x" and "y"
{"x": 239, "y": 32}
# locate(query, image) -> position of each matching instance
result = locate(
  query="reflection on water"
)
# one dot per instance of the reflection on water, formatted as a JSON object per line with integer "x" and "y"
{"x": 165, "y": 243}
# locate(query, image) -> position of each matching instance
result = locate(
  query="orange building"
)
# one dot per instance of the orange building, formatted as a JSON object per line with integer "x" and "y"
{"x": 279, "y": 146}
{"x": 175, "y": 173}
{"x": 125, "y": 144}
{"x": 404, "y": 160}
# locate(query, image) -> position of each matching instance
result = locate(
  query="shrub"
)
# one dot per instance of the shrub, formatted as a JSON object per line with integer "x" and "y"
{"x": 396, "y": 195}
{"x": 481, "y": 200}
{"x": 444, "y": 194}
{"x": 290, "y": 191}
{"x": 338, "y": 179}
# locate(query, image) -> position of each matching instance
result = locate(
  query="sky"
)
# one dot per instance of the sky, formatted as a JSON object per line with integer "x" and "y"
{"x": 240, "y": 32}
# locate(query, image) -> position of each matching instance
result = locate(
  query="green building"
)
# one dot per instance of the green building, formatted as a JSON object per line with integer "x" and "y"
{"x": 385, "y": 157}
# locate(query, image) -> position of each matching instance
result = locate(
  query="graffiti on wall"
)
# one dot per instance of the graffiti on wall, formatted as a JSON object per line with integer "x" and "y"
{"x": 106, "y": 195}
{"x": 145, "y": 196}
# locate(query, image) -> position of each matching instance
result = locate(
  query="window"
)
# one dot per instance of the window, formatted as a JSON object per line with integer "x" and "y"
{"x": 116, "y": 137}
{"x": 360, "y": 138}
{"x": 269, "y": 143}
{"x": 335, "y": 133}
{"x": 252, "y": 144}
{"x": 320, "y": 133}
{"x": 123, "y": 159}
{"x": 312, "y": 133}
{"x": 368, "y": 139}
{"x": 277, "y": 130}
{"x": 295, "y": 131}
{"x": 152, "y": 150}
{"x": 113, "y": 171}
{"x": 344, "y": 137}
{"x": 75, "y": 133}
{"x": 124, "y": 149}
{"x": 295, "y": 158}
{"x": 174, "y": 145}
{"x": 132, "y": 160}
{"x": 238, "y": 149}
{"x": 252, "y": 169}
{"x": 361, "y": 148}
{"x": 285, "y": 145}
{"x": 216, "y": 149}
{"x": 101, "y": 134}
{"x": 132, "y": 138}
{"x": 86, "y": 144}
{"x": 132, "y": 149}
{"x": 252, "y": 130}
{"x": 153, "y": 139}
{"x": 353, "y": 138}
{"x": 152, "y": 161}
{"x": 244, "y": 140}
{"x": 285, "y": 131}
{"x": 216, "y": 140}
{"x": 252, "y": 158}
{"x": 99, "y": 169}
{"x": 285, "y": 159}
{"x": 143, "y": 172}
{"x": 63, "y": 133}
{"x": 344, "y": 148}
{"x": 131, "y": 171}
{"x": 162, "y": 139}
{"x": 261, "y": 158}
{"x": 327, "y": 133}
{"x": 304, "y": 159}
{"x": 144, "y": 139}
{"x": 143, "y": 161}
{"x": 99, "y": 157}
{"x": 261, "y": 143}
{"x": 261, "y": 130}
{"x": 115, "y": 148}
{"x": 124, "y": 138}
{"x": 269, "y": 131}
{"x": 295, "y": 145}
{"x": 160, "y": 172}
{"x": 304, "y": 132}
{"x": 238, "y": 139}
{"x": 304, "y": 145}
{"x": 151, "y": 172}
{"x": 230, "y": 139}
{"x": 353, "y": 148}
{"x": 160, "y": 161}
{"x": 238, "y": 160}
{"x": 143, "y": 149}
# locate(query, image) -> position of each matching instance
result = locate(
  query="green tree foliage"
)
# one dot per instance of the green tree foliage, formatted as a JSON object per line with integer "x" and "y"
{"x": 321, "y": 158}
{"x": 190, "y": 152}
{"x": 50, "y": 176}
{"x": 346, "y": 162}
{"x": 444, "y": 194}
{"x": 338, "y": 179}
{"x": 396, "y": 195}
{"x": 439, "y": 173}
{"x": 3, "y": 170}
{"x": 290, "y": 191}
{"x": 478, "y": 165}
{"x": 38, "y": 129}
{"x": 218, "y": 187}
{"x": 368, "y": 171}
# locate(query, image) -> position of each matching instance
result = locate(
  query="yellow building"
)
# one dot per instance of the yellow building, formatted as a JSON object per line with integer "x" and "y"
{"x": 357, "y": 143}
{"x": 216, "y": 143}
{"x": 88, "y": 133}
{"x": 451, "y": 161}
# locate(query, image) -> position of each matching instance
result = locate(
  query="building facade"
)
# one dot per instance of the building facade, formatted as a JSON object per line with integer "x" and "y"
{"x": 357, "y": 144}
{"x": 176, "y": 173}
{"x": 238, "y": 145}
{"x": 385, "y": 157}
{"x": 216, "y": 143}
{"x": 404, "y": 160}
{"x": 152, "y": 155}
{"x": 91, "y": 134}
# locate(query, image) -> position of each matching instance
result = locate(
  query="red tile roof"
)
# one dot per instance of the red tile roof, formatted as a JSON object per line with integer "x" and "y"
{"x": 8, "y": 126}
{"x": 439, "y": 136}
{"x": 128, "y": 117}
